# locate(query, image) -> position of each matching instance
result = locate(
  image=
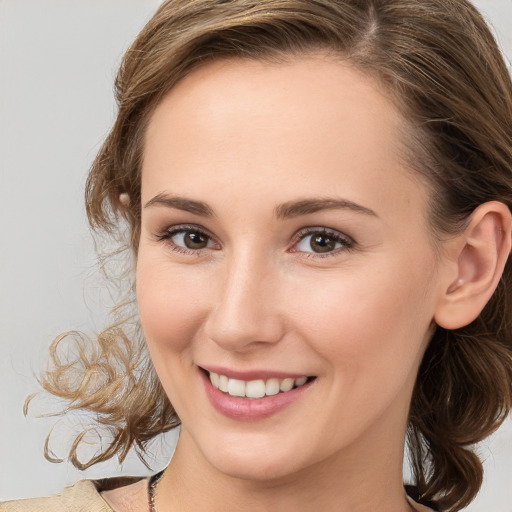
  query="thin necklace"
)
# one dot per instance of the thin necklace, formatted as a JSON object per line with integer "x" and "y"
{"x": 153, "y": 481}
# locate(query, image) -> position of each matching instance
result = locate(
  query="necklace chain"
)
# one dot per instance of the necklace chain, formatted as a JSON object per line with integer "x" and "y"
{"x": 153, "y": 481}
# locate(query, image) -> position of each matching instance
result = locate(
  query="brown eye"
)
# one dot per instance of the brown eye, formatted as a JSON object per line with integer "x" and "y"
{"x": 322, "y": 243}
{"x": 185, "y": 239}
{"x": 195, "y": 240}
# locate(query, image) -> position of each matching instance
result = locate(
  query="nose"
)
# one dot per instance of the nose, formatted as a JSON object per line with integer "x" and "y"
{"x": 246, "y": 312}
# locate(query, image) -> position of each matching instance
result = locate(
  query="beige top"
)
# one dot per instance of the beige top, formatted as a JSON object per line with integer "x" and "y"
{"x": 84, "y": 496}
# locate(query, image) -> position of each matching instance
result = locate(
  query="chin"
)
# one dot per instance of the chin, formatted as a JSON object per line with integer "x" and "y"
{"x": 255, "y": 468}
{"x": 253, "y": 460}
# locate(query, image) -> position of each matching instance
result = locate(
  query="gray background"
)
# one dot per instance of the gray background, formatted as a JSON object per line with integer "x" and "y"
{"x": 57, "y": 63}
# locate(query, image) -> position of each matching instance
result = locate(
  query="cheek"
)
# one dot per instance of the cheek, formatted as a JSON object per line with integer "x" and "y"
{"x": 374, "y": 322}
{"x": 170, "y": 303}
{"x": 171, "y": 308}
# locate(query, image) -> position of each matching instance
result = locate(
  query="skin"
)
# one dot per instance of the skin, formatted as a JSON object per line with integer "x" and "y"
{"x": 245, "y": 138}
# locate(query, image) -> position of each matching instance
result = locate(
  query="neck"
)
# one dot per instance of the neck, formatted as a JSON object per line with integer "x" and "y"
{"x": 191, "y": 483}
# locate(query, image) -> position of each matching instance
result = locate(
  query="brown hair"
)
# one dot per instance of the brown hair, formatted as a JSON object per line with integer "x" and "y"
{"x": 440, "y": 63}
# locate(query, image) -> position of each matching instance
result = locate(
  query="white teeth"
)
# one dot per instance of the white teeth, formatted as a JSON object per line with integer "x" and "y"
{"x": 272, "y": 387}
{"x": 300, "y": 381}
{"x": 254, "y": 388}
{"x": 214, "y": 377}
{"x": 223, "y": 383}
{"x": 286, "y": 384}
{"x": 236, "y": 387}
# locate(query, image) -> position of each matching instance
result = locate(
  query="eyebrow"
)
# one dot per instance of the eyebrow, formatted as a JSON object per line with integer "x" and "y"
{"x": 283, "y": 211}
{"x": 307, "y": 206}
{"x": 181, "y": 203}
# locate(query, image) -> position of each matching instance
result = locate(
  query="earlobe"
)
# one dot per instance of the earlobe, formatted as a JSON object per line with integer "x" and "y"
{"x": 124, "y": 199}
{"x": 480, "y": 254}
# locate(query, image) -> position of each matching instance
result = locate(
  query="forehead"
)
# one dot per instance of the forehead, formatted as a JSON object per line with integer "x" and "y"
{"x": 312, "y": 124}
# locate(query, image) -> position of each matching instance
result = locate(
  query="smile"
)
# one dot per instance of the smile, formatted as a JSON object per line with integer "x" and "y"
{"x": 253, "y": 395}
{"x": 255, "y": 388}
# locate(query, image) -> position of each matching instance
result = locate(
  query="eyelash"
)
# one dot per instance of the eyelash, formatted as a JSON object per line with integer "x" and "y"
{"x": 167, "y": 235}
{"x": 339, "y": 238}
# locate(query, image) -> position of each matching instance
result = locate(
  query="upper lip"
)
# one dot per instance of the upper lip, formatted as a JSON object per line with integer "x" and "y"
{"x": 249, "y": 375}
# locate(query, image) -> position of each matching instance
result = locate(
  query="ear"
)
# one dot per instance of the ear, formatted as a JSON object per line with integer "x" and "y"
{"x": 124, "y": 199}
{"x": 479, "y": 254}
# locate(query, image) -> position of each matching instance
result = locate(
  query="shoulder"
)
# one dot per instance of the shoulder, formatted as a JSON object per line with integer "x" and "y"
{"x": 131, "y": 495}
{"x": 84, "y": 496}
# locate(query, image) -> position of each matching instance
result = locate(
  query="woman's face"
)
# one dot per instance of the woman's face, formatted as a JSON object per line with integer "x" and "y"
{"x": 283, "y": 238}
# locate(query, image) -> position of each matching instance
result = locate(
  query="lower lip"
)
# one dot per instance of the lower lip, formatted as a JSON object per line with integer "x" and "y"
{"x": 248, "y": 409}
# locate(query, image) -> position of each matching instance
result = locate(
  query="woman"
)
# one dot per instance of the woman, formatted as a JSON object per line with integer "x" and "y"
{"x": 318, "y": 201}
